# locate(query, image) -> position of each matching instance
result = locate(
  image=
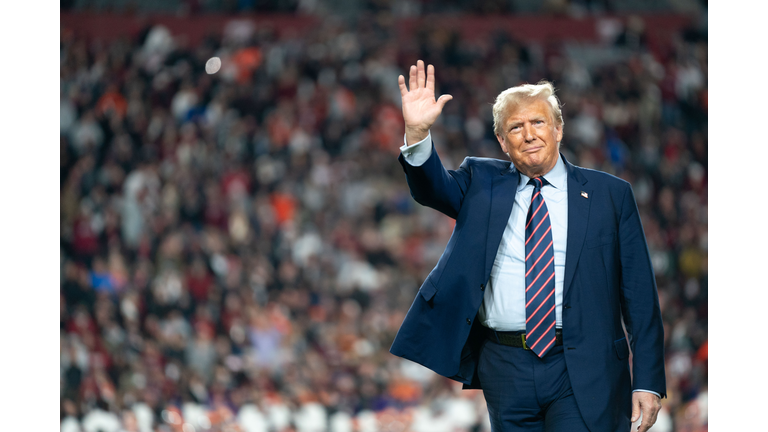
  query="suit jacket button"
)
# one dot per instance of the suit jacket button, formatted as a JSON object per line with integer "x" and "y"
{"x": 469, "y": 321}
{"x": 482, "y": 287}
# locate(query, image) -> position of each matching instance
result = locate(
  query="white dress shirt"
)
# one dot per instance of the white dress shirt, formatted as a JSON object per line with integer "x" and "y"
{"x": 504, "y": 301}
{"x": 503, "y": 306}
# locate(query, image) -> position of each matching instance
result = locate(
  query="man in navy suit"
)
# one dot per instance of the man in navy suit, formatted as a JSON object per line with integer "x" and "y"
{"x": 545, "y": 263}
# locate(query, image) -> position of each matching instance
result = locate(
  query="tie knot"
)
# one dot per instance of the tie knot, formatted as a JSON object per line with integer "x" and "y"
{"x": 538, "y": 182}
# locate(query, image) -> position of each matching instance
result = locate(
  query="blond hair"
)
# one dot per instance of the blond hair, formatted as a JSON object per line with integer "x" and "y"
{"x": 514, "y": 96}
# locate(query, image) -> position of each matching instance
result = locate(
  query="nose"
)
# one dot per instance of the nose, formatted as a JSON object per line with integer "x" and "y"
{"x": 528, "y": 132}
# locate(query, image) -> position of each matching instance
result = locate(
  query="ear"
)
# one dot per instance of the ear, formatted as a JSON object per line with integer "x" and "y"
{"x": 559, "y": 133}
{"x": 502, "y": 143}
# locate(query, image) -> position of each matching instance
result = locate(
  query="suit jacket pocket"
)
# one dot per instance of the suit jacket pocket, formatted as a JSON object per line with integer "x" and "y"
{"x": 622, "y": 349}
{"x": 427, "y": 290}
{"x": 601, "y": 240}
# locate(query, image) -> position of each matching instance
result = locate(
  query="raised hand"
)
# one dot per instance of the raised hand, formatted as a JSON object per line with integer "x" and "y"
{"x": 420, "y": 110}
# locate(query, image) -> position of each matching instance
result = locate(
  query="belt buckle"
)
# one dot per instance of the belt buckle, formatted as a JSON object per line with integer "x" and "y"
{"x": 525, "y": 345}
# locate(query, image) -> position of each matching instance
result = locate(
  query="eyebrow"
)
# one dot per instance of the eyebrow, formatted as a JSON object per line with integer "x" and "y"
{"x": 532, "y": 119}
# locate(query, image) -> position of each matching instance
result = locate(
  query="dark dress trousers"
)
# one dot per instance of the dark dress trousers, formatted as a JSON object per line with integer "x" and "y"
{"x": 608, "y": 277}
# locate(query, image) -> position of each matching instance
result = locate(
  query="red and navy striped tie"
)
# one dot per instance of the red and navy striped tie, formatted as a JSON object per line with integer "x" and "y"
{"x": 539, "y": 274}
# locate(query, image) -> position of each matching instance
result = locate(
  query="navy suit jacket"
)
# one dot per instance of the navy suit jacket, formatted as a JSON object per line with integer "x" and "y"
{"x": 608, "y": 277}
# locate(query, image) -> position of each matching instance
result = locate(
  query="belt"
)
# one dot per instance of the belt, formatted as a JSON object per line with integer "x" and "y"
{"x": 517, "y": 338}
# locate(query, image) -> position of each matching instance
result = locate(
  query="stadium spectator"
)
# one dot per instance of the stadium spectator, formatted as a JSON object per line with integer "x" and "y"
{"x": 239, "y": 249}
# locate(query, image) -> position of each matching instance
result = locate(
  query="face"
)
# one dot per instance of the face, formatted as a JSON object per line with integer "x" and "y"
{"x": 529, "y": 136}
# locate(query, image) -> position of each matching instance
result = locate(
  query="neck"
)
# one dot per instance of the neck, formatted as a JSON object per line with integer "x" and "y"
{"x": 535, "y": 173}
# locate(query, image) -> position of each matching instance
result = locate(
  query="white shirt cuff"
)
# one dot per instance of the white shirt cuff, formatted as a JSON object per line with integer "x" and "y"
{"x": 647, "y": 391}
{"x": 418, "y": 153}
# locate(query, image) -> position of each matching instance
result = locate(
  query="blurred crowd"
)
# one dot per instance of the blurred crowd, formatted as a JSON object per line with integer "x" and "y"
{"x": 238, "y": 250}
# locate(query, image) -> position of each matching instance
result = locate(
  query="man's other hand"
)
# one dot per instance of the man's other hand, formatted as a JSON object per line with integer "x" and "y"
{"x": 647, "y": 403}
{"x": 420, "y": 110}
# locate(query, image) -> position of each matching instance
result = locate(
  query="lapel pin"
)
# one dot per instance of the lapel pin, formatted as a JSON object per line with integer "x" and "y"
{"x": 584, "y": 194}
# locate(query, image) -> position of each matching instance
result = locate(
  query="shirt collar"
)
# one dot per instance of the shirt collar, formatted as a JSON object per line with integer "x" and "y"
{"x": 557, "y": 176}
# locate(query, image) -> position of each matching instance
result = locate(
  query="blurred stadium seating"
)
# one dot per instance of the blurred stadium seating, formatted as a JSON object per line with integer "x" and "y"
{"x": 238, "y": 250}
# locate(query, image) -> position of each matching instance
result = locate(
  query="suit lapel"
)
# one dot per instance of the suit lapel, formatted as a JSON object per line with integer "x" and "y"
{"x": 502, "y": 197}
{"x": 578, "y": 215}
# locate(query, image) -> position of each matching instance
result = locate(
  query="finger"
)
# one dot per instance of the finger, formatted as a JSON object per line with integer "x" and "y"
{"x": 412, "y": 79}
{"x": 422, "y": 75}
{"x": 652, "y": 414}
{"x": 442, "y": 100}
{"x": 401, "y": 84}
{"x": 649, "y": 418}
{"x": 645, "y": 425}
{"x": 635, "y": 410}
{"x": 431, "y": 78}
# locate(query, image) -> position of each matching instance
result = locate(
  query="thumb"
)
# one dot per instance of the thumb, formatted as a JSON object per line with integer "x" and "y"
{"x": 635, "y": 410}
{"x": 443, "y": 99}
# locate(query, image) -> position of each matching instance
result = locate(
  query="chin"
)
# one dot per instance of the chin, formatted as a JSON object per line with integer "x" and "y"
{"x": 535, "y": 163}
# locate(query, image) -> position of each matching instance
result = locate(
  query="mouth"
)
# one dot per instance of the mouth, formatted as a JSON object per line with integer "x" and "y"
{"x": 533, "y": 149}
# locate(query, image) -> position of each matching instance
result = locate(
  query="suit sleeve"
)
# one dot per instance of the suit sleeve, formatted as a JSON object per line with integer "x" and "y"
{"x": 434, "y": 186}
{"x": 640, "y": 301}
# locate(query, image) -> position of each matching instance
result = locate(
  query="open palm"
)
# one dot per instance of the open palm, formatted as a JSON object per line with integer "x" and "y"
{"x": 420, "y": 109}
